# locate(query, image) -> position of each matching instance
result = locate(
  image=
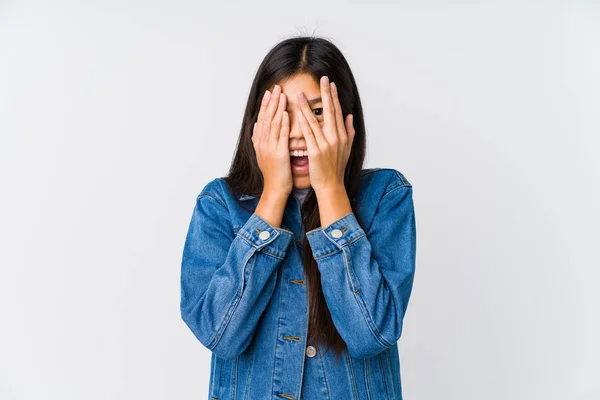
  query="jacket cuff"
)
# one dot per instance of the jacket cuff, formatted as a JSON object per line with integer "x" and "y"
{"x": 263, "y": 235}
{"x": 332, "y": 238}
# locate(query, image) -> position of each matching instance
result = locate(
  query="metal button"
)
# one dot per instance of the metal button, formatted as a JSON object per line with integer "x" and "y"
{"x": 264, "y": 235}
{"x": 311, "y": 351}
{"x": 336, "y": 233}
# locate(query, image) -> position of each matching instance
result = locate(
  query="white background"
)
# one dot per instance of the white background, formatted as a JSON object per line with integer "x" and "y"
{"x": 114, "y": 115}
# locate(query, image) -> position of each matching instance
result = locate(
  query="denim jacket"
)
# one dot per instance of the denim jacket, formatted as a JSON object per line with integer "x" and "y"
{"x": 243, "y": 293}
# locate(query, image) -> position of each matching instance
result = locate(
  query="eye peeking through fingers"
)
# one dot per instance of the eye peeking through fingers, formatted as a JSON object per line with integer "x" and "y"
{"x": 320, "y": 111}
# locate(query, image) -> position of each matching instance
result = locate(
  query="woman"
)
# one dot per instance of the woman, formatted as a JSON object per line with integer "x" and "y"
{"x": 301, "y": 296}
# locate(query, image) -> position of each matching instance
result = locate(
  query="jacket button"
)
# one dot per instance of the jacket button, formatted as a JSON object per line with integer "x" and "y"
{"x": 311, "y": 351}
{"x": 336, "y": 233}
{"x": 264, "y": 235}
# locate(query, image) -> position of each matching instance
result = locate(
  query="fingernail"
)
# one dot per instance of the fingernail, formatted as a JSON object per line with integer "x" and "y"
{"x": 267, "y": 95}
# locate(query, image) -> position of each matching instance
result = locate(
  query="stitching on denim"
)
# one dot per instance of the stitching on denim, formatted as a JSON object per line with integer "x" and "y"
{"x": 262, "y": 249}
{"x": 328, "y": 254}
{"x": 297, "y": 281}
{"x": 250, "y": 363}
{"x": 382, "y": 371}
{"x": 220, "y": 366}
{"x": 245, "y": 266}
{"x": 400, "y": 182}
{"x": 212, "y": 343}
{"x": 227, "y": 317}
{"x": 389, "y": 363}
{"x": 354, "y": 286}
{"x": 393, "y": 189}
{"x": 212, "y": 375}
{"x": 275, "y": 342}
{"x": 363, "y": 308}
{"x": 367, "y": 373}
{"x": 306, "y": 336}
{"x": 234, "y": 375}
{"x": 324, "y": 375}
{"x": 266, "y": 251}
{"x": 344, "y": 245}
{"x": 402, "y": 178}
{"x": 351, "y": 373}
{"x": 212, "y": 196}
{"x": 286, "y": 395}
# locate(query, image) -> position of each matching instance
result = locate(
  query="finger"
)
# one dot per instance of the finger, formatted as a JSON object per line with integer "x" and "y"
{"x": 276, "y": 122}
{"x": 284, "y": 133}
{"x": 339, "y": 117}
{"x": 311, "y": 120}
{"x": 270, "y": 112}
{"x": 311, "y": 144}
{"x": 261, "y": 114}
{"x": 263, "y": 105}
{"x": 351, "y": 131}
{"x": 328, "y": 110}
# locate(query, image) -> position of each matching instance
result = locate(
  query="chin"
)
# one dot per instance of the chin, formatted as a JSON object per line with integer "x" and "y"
{"x": 302, "y": 182}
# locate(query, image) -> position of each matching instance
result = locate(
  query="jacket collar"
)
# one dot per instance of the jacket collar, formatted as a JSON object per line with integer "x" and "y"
{"x": 246, "y": 197}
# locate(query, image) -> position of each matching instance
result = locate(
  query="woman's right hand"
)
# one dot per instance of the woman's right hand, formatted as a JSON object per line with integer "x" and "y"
{"x": 270, "y": 137}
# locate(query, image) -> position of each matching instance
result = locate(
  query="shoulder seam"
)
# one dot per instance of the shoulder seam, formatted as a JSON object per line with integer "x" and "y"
{"x": 212, "y": 196}
{"x": 397, "y": 181}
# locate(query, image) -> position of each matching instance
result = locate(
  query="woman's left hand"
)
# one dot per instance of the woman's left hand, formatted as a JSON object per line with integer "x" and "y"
{"x": 328, "y": 148}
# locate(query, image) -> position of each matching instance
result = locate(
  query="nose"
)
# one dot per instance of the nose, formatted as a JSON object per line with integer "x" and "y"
{"x": 295, "y": 130}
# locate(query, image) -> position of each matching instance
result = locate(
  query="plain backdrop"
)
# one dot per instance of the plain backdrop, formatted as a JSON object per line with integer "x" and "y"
{"x": 115, "y": 114}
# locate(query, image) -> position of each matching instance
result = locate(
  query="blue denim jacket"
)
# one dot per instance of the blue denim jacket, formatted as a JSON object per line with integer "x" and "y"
{"x": 243, "y": 293}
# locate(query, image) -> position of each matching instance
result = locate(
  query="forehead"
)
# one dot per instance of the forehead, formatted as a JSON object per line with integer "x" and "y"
{"x": 302, "y": 82}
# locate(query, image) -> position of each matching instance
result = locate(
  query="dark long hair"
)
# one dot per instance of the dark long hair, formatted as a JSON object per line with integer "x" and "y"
{"x": 317, "y": 57}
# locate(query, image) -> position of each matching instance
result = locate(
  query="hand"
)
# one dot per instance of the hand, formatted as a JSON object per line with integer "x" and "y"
{"x": 329, "y": 148}
{"x": 270, "y": 137}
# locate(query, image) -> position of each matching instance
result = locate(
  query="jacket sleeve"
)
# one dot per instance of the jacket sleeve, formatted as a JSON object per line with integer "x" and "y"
{"x": 228, "y": 279}
{"x": 367, "y": 278}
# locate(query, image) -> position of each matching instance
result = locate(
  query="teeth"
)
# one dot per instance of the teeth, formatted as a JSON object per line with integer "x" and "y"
{"x": 298, "y": 153}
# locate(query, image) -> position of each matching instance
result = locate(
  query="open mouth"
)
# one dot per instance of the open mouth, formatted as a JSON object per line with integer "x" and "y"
{"x": 299, "y": 161}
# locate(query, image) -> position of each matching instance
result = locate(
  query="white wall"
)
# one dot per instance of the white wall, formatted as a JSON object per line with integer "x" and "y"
{"x": 114, "y": 114}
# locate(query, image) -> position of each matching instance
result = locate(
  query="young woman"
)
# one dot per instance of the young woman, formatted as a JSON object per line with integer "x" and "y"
{"x": 298, "y": 265}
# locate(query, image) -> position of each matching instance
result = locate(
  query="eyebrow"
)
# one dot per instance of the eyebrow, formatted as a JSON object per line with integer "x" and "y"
{"x": 314, "y": 101}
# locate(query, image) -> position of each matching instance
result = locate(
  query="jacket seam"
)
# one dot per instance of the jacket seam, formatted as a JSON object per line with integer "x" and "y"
{"x": 389, "y": 366}
{"x": 212, "y": 196}
{"x": 338, "y": 249}
{"x": 352, "y": 375}
{"x": 280, "y": 277}
{"x": 233, "y": 306}
{"x": 383, "y": 378}
{"x": 365, "y": 312}
{"x": 366, "y": 374}
{"x": 324, "y": 374}
{"x": 393, "y": 189}
{"x": 262, "y": 250}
